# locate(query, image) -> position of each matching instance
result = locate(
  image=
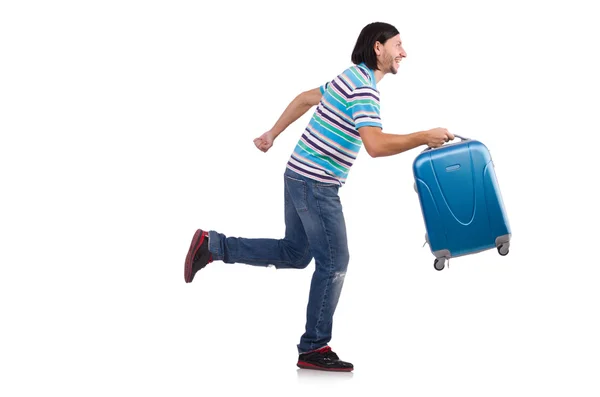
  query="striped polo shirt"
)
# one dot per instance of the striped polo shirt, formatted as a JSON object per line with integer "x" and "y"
{"x": 330, "y": 142}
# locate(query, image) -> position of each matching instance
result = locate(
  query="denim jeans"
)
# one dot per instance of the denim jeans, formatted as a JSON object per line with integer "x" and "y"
{"x": 315, "y": 228}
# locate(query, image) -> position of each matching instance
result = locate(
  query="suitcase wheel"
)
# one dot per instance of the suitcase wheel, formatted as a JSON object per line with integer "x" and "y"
{"x": 503, "y": 249}
{"x": 439, "y": 263}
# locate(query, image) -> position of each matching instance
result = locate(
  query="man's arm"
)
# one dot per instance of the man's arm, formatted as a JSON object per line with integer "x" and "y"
{"x": 380, "y": 144}
{"x": 300, "y": 105}
{"x": 294, "y": 110}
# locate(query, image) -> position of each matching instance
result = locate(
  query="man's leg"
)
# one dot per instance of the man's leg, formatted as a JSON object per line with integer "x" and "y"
{"x": 320, "y": 210}
{"x": 292, "y": 251}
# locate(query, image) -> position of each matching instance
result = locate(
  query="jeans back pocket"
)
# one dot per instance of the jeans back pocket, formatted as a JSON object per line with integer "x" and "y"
{"x": 297, "y": 190}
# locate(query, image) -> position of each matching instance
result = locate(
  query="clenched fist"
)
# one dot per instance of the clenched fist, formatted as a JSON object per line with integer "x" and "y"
{"x": 264, "y": 142}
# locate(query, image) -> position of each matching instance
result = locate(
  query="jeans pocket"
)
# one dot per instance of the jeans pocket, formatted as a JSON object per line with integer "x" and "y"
{"x": 298, "y": 192}
{"x": 327, "y": 191}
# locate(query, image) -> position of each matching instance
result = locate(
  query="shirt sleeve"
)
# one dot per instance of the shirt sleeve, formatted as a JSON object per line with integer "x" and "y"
{"x": 363, "y": 105}
{"x": 324, "y": 87}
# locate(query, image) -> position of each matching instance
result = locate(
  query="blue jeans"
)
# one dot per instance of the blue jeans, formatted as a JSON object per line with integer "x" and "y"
{"x": 315, "y": 228}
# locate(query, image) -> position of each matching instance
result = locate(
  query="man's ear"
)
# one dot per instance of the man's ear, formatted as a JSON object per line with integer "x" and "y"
{"x": 377, "y": 47}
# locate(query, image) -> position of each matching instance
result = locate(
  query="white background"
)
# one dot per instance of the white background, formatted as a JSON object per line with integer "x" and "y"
{"x": 127, "y": 125}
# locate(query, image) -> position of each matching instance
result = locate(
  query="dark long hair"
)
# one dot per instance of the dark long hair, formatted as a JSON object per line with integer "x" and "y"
{"x": 373, "y": 32}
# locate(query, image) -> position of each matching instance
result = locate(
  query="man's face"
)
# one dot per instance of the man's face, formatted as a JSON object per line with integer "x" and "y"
{"x": 390, "y": 55}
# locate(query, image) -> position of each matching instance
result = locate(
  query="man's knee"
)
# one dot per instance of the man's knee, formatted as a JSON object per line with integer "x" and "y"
{"x": 342, "y": 260}
{"x": 304, "y": 261}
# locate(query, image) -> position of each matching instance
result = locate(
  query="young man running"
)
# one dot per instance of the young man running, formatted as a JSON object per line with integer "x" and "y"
{"x": 346, "y": 118}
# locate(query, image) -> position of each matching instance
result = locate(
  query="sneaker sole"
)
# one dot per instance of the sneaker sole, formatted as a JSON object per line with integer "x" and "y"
{"x": 306, "y": 365}
{"x": 194, "y": 246}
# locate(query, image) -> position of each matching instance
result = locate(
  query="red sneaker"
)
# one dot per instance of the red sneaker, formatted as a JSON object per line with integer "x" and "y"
{"x": 198, "y": 255}
{"x": 323, "y": 359}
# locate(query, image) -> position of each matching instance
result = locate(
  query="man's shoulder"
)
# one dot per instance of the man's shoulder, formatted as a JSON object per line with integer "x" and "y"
{"x": 360, "y": 76}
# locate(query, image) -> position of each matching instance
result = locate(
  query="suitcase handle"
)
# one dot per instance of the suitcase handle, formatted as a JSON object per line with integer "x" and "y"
{"x": 456, "y": 136}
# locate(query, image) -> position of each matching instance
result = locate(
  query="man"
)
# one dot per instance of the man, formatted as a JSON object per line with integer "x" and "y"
{"x": 346, "y": 118}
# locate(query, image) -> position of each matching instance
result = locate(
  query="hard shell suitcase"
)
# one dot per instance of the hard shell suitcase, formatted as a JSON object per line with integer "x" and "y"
{"x": 460, "y": 201}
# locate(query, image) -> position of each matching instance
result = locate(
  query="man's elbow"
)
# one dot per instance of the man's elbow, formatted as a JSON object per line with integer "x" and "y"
{"x": 373, "y": 150}
{"x": 311, "y": 97}
{"x": 372, "y": 139}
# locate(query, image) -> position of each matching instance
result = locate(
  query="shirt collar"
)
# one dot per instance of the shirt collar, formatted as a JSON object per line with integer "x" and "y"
{"x": 370, "y": 72}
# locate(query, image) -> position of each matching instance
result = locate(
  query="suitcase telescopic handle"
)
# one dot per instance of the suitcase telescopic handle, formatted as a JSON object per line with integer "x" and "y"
{"x": 456, "y": 136}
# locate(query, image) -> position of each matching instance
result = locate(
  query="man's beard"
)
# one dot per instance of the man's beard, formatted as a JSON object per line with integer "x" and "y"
{"x": 392, "y": 64}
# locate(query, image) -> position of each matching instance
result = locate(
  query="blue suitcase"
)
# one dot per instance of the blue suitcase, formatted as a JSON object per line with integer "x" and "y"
{"x": 460, "y": 201}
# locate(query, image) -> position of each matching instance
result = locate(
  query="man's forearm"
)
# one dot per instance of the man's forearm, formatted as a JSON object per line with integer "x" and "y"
{"x": 392, "y": 144}
{"x": 293, "y": 112}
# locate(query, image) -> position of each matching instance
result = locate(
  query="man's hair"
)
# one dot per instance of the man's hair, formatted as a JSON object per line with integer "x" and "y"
{"x": 373, "y": 32}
